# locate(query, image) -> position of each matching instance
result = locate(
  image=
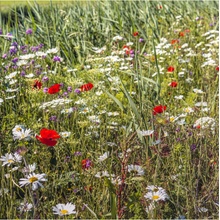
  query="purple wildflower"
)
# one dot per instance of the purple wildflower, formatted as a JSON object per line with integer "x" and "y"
{"x": 45, "y": 90}
{"x": 29, "y": 31}
{"x": 77, "y": 91}
{"x": 56, "y": 59}
{"x": 45, "y": 79}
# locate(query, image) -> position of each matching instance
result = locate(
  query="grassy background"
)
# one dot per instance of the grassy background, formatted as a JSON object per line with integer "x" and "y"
{"x": 189, "y": 176}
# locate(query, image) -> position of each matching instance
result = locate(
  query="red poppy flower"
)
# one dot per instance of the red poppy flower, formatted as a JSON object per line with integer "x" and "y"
{"x": 54, "y": 89}
{"x": 181, "y": 34}
{"x": 37, "y": 84}
{"x": 159, "y": 109}
{"x": 127, "y": 49}
{"x": 135, "y": 34}
{"x": 170, "y": 69}
{"x": 86, "y": 87}
{"x": 48, "y": 137}
{"x": 174, "y": 41}
{"x": 217, "y": 68}
{"x": 173, "y": 84}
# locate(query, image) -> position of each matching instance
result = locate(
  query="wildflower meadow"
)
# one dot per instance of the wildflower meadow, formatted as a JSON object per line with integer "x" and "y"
{"x": 109, "y": 110}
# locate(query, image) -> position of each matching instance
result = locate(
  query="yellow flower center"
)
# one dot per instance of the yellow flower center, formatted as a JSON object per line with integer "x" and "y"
{"x": 172, "y": 119}
{"x": 10, "y": 161}
{"x": 155, "y": 197}
{"x": 18, "y": 129}
{"x": 63, "y": 211}
{"x": 33, "y": 179}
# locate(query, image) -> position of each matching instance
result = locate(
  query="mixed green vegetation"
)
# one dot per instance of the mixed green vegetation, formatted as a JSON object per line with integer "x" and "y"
{"x": 109, "y": 110}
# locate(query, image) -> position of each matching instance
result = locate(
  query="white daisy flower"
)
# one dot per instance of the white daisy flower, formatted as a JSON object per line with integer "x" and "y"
{"x": 29, "y": 168}
{"x": 25, "y": 207}
{"x": 103, "y": 157}
{"x": 188, "y": 110}
{"x": 64, "y": 209}
{"x": 160, "y": 195}
{"x": 137, "y": 169}
{"x": 11, "y": 75}
{"x": 9, "y": 159}
{"x": 65, "y": 134}
{"x": 22, "y": 134}
{"x": 34, "y": 179}
{"x": 67, "y": 111}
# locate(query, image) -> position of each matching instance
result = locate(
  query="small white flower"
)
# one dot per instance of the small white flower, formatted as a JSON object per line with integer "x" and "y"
{"x": 146, "y": 133}
{"x": 64, "y": 209}
{"x": 189, "y": 80}
{"x": 27, "y": 56}
{"x": 53, "y": 50}
{"x": 29, "y": 168}
{"x": 31, "y": 75}
{"x": 11, "y": 75}
{"x": 181, "y": 74}
{"x": 179, "y": 97}
{"x": 198, "y": 104}
{"x": 136, "y": 168}
{"x": 103, "y": 157}
{"x": 129, "y": 44}
{"x": 198, "y": 91}
{"x": 67, "y": 111}
{"x": 34, "y": 179}
{"x": 9, "y": 159}
{"x": 188, "y": 110}
{"x": 116, "y": 38}
{"x": 65, "y": 134}
{"x": 25, "y": 207}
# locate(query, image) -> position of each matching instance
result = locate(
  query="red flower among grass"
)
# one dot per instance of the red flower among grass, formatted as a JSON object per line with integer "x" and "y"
{"x": 181, "y": 34}
{"x": 174, "y": 41}
{"x": 48, "y": 137}
{"x": 159, "y": 109}
{"x": 86, "y": 87}
{"x": 86, "y": 164}
{"x": 127, "y": 49}
{"x": 170, "y": 69}
{"x": 217, "y": 68}
{"x": 135, "y": 34}
{"x": 54, "y": 89}
{"x": 173, "y": 84}
{"x": 37, "y": 84}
